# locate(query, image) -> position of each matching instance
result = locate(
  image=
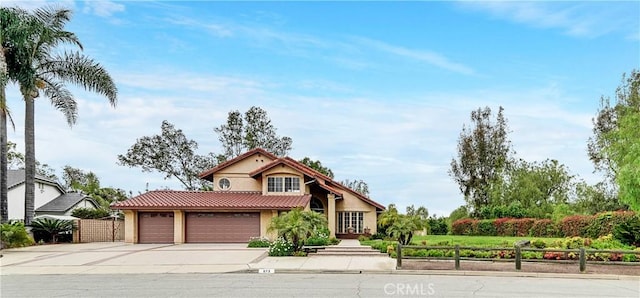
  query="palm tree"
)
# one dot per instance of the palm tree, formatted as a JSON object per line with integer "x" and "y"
{"x": 43, "y": 70}
{"x": 296, "y": 226}
{"x": 51, "y": 228}
{"x": 13, "y": 33}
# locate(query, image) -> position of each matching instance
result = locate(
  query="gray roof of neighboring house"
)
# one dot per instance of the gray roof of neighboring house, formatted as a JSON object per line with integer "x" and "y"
{"x": 65, "y": 202}
{"x": 16, "y": 177}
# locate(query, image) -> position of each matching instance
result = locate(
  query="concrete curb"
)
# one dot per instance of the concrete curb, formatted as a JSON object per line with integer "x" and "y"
{"x": 454, "y": 273}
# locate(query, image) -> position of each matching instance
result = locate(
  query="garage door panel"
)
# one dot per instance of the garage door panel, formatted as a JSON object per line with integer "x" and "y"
{"x": 221, "y": 227}
{"x": 155, "y": 227}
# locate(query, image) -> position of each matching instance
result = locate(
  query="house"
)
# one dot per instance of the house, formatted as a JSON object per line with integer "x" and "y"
{"x": 64, "y": 204}
{"x": 249, "y": 191}
{"x": 46, "y": 190}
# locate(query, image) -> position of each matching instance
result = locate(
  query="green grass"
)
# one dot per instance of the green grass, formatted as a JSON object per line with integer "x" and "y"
{"x": 482, "y": 241}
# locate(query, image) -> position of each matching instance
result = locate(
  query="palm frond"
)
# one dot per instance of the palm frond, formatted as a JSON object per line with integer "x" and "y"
{"x": 61, "y": 99}
{"x": 83, "y": 71}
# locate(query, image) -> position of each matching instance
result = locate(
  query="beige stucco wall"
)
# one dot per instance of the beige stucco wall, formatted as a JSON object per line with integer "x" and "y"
{"x": 237, "y": 174}
{"x": 265, "y": 221}
{"x": 282, "y": 171}
{"x": 178, "y": 226}
{"x": 130, "y": 226}
{"x": 350, "y": 202}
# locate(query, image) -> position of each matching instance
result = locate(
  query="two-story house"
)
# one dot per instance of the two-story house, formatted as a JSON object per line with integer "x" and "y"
{"x": 46, "y": 190}
{"x": 249, "y": 191}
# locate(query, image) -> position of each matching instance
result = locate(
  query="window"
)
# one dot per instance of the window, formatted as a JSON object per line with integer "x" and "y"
{"x": 352, "y": 221}
{"x": 283, "y": 184}
{"x": 316, "y": 205}
{"x": 224, "y": 183}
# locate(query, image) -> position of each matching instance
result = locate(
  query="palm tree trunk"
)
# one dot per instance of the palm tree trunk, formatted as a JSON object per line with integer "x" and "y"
{"x": 30, "y": 159}
{"x": 4, "y": 200}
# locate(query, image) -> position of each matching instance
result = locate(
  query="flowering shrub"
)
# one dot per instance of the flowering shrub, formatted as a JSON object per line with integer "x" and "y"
{"x": 543, "y": 228}
{"x": 259, "y": 242}
{"x": 320, "y": 238}
{"x": 280, "y": 248}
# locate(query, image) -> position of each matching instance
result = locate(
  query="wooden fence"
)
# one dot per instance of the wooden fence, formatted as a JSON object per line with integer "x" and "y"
{"x": 98, "y": 230}
{"x": 580, "y": 253}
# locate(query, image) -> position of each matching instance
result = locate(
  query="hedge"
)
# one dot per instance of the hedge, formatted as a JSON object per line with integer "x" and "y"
{"x": 587, "y": 226}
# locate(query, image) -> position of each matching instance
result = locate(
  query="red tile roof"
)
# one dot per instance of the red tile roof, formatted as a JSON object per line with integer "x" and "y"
{"x": 327, "y": 183}
{"x": 207, "y": 175}
{"x": 212, "y": 200}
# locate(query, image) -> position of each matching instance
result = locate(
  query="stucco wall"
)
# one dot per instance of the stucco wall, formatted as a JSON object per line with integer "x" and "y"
{"x": 265, "y": 221}
{"x": 42, "y": 196}
{"x": 237, "y": 174}
{"x": 130, "y": 226}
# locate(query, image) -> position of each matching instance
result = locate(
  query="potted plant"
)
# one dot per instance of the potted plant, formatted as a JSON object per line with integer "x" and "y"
{"x": 350, "y": 230}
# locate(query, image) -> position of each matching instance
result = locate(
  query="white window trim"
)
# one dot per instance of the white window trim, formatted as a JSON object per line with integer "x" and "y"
{"x": 281, "y": 180}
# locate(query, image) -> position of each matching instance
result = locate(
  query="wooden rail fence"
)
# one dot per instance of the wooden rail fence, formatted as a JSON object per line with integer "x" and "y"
{"x": 581, "y": 253}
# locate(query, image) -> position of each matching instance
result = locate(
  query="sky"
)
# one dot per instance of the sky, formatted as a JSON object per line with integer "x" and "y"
{"x": 377, "y": 91}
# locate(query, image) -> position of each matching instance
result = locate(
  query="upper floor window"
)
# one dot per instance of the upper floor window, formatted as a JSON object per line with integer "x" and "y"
{"x": 224, "y": 184}
{"x": 283, "y": 184}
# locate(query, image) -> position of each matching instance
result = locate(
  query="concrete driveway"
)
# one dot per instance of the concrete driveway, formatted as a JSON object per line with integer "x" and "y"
{"x": 117, "y": 257}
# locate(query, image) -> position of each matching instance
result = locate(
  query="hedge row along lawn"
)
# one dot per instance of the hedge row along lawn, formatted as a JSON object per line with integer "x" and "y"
{"x": 601, "y": 243}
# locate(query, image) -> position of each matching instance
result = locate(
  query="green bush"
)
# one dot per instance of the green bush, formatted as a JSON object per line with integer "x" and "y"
{"x": 544, "y": 228}
{"x": 89, "y": 213}
{"x": 628, "y": 232}
{"x": 334, "y": 241}
{"x": 15, "y": 235}
{"x": 629, "y": 258}
{"x": 605, "y": 223}
{"x": 485, "y": 227}
{"x": 608, "y": 242}
{"x": 363, "y": 238}
{"x": 280, "y": 248}
{"x": 437, "y": 226}
{"x": 259, "y": 242}
{"x": 538, "y": 243}
{"x": 378, "y": 235}
{"x": 52, "y": 229}
{"x": 382, "y": 245}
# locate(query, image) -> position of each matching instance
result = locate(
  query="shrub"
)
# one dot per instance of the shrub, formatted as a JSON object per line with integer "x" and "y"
{"x": 604, "y": 223}
{"x": 486, "y": 227}
{"x": 363, "y": 238}
{"x": 608, "y": 242}
{"x": 259, "y": 242}
{"x": 89, "y": 213}
{"x": 334, "y": 241}
{"x": 378, "y": 235}
{"x": 538, "y": 243}
{"x": 299, "y": 253}
{"x": 15, "y": 235}
{"x": 575, "y": 225}
{"x": 383, "y": 245}
{"x": 437, "y": 226}
{"x": 52, "y": 228}
{"x": 503, "y": 226}
{"x": 280, "y": 247}
{"x": 464, "y": 226}
{"x": 543, "y": 228}
{"x": 628, "y": 232}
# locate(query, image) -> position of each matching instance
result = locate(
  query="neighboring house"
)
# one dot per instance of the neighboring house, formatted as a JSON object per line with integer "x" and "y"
{"x": 64, "y": 204}
{"x": 249, "y": 191}
{"x": 46, "y": 190}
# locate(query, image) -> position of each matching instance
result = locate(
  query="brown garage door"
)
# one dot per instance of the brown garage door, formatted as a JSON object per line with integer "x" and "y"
{"x": 155, "y": 227}
{"x": 209, "y": 227}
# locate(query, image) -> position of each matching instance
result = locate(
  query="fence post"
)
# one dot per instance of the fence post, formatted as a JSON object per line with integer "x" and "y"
{"x": 583, "y": 259}
{"x": 399, "y": 256}
{"x": 518, "y": 258}
{"x": 457, "y": 256}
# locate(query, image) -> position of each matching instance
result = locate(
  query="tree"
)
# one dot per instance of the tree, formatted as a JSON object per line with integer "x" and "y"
{"x": 254, "y": 130}
{"x": 600, "y": 197}
{"x": 296, "y": 226}
{"x": 536, "y": 187}
{"x": 170, "y": 153}
{"x": 358, "y": 186}
{"x": 317, "y": 165}
{"x": 14, "y": 32}
{"x": 16, "y": 160}
{"x": 39, "y": 68}
{"x": 88, "y": 183}
{"x": 484, "y": 152}
{"x": 615, "y": 146}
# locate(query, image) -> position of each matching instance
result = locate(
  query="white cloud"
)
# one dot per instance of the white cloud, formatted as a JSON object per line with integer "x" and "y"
{"x": 102, "y": 8}
{"x": 581, "y": 19}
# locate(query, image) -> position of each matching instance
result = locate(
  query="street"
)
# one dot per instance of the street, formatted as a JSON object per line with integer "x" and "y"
{"x": 309, "y": 285}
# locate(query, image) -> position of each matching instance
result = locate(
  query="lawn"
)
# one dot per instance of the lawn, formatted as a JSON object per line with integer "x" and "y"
{"x": 483, "y": 241}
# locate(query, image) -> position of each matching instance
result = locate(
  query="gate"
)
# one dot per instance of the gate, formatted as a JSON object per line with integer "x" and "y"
{"x": 98, "y": 230}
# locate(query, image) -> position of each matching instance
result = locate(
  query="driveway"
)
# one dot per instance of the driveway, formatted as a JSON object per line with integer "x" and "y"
{"x": 117, "y": 257}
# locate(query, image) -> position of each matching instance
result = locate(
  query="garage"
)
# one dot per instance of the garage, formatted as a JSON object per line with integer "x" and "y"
{"x": 221, "y": 227}
{"x": 155, "y": 227}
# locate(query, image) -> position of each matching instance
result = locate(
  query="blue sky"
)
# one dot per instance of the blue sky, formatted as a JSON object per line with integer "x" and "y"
{"x": 377, "y": 91}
